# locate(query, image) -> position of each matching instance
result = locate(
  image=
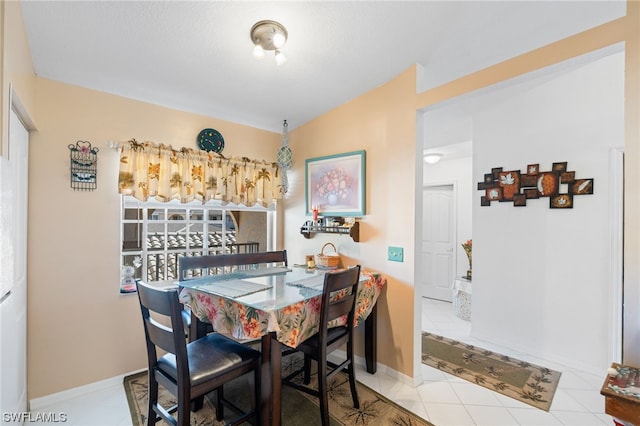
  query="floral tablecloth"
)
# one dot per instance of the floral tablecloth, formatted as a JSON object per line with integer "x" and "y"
{"x": 292, "y": 324}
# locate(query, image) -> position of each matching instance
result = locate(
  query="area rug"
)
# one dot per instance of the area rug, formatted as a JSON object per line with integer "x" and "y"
{"x": 298, "y": 408}
{"x": 526, "y": 382}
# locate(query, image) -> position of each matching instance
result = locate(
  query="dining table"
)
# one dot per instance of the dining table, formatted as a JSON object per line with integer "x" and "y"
{"x": 280, "y": 307}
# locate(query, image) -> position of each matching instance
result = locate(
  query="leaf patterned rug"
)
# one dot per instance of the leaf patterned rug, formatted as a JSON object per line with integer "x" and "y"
{"x": 298, "y": 408}
{"x": 526, "y": 382}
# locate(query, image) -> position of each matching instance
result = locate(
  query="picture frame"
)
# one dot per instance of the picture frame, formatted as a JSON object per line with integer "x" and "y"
{"x": 548, "y": 184}
{"x": 335, "y": 184}
{"x": 581, "y": 186}
{"x": 510, "y": 184}
{"x": 561, "y": 201}
{"x": 567, "y": 177}
{"x": 494, "y": 194}
{"x": 519, "y": 200}
{"x": 533, "y": 169}
{"x": 559, "y": 167}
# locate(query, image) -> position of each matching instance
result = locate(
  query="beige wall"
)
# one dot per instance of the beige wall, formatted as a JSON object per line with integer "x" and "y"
{"x": 80, "y": 328}
{"x": 381, "y": 122}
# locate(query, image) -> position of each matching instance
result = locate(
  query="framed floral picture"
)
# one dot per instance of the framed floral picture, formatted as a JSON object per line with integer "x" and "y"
{"x": 335, "y": 184}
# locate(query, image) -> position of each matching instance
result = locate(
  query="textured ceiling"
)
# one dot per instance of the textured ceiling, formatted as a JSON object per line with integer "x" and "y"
{"x": 196, "y": 56}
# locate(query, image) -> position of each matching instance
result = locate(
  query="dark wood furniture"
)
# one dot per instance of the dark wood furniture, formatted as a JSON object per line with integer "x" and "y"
{"x": 190, "y": 370}
{"x": 619, "y": 405}
{"x": 197, "y": 266}
{"x": 271, "y": 349}
{"x": 327, "y": 340}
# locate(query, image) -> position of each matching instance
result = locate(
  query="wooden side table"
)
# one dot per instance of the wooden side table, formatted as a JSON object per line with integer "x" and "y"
{"x": 617, "y": 403}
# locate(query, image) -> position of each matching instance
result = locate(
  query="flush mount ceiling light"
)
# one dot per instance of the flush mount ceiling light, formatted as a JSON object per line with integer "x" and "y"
{"x": 432, "y": 158}
{"x": 269, "y": 35}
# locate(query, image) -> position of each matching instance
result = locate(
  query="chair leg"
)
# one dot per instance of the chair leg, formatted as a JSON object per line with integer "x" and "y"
{"x": 307, "y": 369}
{"x": 323, "y": 389}
{"x": 256, "y": 400}
{"x": 219, "y": 407}
{"x": 354, "y": 389}
{"x": 153, "y": 400}
{"x": 352, "y": 376}
{"x": 184, "y": 407}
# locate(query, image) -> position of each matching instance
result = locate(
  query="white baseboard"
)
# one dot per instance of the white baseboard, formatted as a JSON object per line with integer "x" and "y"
{"x": 340, "y": 355}
{"x": 45, "y": 401}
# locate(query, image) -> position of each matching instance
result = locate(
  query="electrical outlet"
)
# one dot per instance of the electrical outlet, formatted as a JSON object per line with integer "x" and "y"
{"x": 395, "y": 254}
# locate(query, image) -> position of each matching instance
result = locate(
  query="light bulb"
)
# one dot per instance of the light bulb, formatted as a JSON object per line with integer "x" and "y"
{"x": 280, "y": 58}
{"x": 258, "y": 52}
{"x": 278, "y": 40}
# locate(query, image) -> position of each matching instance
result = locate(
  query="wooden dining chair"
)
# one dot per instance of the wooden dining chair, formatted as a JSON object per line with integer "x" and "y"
{"x": 318, "y": 346}
{"x": 189, "y": 371}
{"x": 190, "y": 267}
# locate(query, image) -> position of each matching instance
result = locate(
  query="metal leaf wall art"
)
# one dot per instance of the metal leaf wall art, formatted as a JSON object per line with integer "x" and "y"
{"x": 557, "y": 184}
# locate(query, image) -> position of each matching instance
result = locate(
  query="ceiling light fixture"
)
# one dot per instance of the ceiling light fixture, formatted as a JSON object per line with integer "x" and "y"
{"x": 432, "y": 158}
{"x": 269, "y": 35}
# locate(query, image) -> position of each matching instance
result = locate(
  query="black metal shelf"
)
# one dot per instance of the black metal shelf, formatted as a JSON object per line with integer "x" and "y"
{"x": 308, "y": 229}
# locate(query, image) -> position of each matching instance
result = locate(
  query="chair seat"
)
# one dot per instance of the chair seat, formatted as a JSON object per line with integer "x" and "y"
{"x": 210, "y": 357}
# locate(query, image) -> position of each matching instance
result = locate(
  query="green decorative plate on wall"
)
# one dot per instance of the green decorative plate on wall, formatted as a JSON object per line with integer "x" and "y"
{"x": 210, "y": 140}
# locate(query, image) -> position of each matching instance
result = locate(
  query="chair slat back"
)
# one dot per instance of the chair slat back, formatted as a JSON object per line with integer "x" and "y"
{"x": 159, "y": 306}
{"x": 340, "y": 282}
{"x": 190, "y": 267}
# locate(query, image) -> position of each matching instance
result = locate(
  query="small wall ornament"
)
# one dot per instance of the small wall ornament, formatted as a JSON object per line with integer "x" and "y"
{"x": 84, "y": 166}
{"x": 210, "y": 140}
{"x": 285, "y": 158}
{"x": 559, "y": 184}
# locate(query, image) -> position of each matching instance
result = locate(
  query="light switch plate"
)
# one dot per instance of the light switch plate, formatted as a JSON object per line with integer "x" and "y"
{"x": 395, "y": 254}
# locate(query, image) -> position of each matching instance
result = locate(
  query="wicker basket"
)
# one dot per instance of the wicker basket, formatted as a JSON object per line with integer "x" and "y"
{"x": 328, "y": 261}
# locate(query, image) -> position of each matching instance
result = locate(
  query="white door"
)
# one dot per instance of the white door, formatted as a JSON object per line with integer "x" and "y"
{"x": 13, "y": 246}
{"x": 438, "y": 256}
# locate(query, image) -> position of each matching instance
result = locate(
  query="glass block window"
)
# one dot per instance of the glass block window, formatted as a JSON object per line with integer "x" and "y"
{"x": 156, "y": 235}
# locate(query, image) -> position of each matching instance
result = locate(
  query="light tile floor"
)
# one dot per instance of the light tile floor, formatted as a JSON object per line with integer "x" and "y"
{"x": 443, "y": 399}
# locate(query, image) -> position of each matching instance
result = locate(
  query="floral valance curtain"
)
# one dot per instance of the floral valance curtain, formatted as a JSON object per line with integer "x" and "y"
{"x": 149, "y": 170}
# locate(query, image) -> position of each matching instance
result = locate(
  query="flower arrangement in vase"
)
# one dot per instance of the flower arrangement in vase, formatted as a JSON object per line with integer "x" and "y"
{"x": 334, "y": 186}
{"x": 467, "y": 246}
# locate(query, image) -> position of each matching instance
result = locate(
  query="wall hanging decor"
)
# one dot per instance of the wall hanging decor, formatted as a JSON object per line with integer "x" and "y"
{"x": 285, "y": 158}
{"x": 335, "y": 184}
{"x": 210, "y": 140}
{"x": 84, "y": 166}
{"x": 558, "y": 184}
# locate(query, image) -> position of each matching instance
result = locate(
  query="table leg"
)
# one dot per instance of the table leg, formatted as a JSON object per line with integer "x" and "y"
{"x": 370, "y": 340}
{"x": 271, "y": 390}
{"x": 197, "y": 329}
